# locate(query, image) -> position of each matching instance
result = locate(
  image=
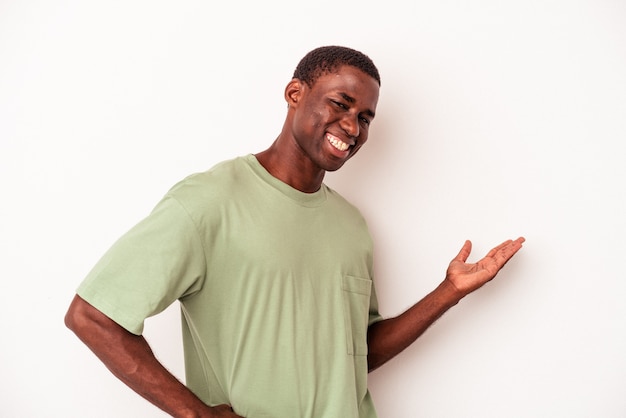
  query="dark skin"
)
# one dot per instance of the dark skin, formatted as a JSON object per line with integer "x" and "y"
{"x": 326, "y": 124}
{"x": 340, "y": 105}
{"x": 343, "y": 105}
{"x": 129, "y": 357}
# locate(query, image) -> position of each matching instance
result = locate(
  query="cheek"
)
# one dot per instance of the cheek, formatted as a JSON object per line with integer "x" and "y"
{"x": 317, "y": 121}
{"x": 357, "y": 148}
{"x": 360, "y": 143}
{"x": 309, "y": 119}
{"x": 317, "y": 118}
{"x": 363, "y": 139}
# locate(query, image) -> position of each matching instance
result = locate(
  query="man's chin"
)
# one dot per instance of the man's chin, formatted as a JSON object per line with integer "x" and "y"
{"x": 334, "y": 167}
{"x": 334, "y": 164}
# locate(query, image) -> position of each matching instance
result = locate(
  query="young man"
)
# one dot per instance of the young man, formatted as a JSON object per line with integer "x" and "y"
{"x": 273, "y": 271}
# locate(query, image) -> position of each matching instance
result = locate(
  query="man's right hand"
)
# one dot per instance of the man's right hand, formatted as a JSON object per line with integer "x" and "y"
{"x": 129, "y": 357}
{"x": 225, "y": 411}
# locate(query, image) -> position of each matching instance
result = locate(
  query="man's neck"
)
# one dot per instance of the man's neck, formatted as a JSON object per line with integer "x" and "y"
{"x": 291, "y": 169}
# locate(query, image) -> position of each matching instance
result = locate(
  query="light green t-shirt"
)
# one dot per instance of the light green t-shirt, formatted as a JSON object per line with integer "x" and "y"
{"x": 275, "y": 287}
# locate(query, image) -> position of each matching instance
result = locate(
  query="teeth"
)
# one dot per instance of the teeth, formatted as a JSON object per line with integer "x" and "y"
{"x": 340, "y": 145}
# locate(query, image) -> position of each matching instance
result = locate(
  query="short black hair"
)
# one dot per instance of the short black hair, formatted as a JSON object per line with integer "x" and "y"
{"x": 326, "y": 59}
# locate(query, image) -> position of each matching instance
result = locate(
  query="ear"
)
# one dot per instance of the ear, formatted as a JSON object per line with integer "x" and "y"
{"x": 293, "y": 92}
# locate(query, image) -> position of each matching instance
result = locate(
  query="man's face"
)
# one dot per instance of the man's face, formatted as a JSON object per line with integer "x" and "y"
{"x": 332, "y": 117}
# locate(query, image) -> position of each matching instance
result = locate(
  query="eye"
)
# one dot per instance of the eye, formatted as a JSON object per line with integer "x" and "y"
{"x": 365, "y": 120}
{"x": 340, "y": 105}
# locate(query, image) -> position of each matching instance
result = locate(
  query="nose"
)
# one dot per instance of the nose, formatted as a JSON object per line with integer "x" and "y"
{"x": 350, "y": 124}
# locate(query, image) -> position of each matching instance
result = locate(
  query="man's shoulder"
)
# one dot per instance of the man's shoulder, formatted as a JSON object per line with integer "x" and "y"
{"x": 340, "y": 202}
{"x": 218, "y": 179}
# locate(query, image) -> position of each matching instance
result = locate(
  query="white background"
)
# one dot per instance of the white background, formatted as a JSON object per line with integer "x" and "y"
{"x": 496, "y": 119}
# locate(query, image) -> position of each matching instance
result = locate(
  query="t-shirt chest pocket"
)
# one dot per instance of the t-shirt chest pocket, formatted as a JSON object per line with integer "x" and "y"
{"x": 356, "y": 304}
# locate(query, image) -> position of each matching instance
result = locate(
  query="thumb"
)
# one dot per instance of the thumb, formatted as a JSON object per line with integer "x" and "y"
{"x": 465, "y": 252}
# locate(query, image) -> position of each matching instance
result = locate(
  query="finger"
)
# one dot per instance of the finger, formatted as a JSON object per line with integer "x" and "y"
{"x": 465, "y": 252}
{"x": 506, "y": 252}
{"x": 492, "y": 253}
{"x": 515, "y": 246}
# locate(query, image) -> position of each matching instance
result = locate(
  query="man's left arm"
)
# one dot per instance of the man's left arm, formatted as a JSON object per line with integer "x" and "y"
{"x": 389, "y": 337}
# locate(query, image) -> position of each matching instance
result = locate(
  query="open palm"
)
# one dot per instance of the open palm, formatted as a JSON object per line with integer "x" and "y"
{"x": 467, "y": 277}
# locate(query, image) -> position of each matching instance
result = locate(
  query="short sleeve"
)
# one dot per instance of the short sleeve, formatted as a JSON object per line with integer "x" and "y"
{"x": 158, "y": 261}
{"x": 374, "y": 315}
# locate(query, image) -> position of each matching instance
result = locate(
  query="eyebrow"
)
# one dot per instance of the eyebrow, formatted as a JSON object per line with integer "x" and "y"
{"x": 351, "y": 99}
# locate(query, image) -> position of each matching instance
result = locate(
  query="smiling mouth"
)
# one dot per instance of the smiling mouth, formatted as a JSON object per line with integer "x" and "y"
{"x": 337, "y": 143}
